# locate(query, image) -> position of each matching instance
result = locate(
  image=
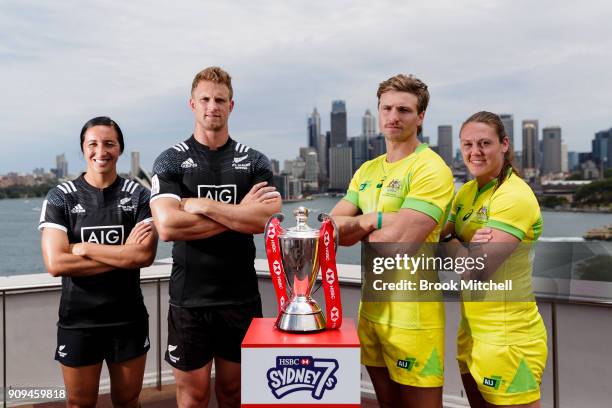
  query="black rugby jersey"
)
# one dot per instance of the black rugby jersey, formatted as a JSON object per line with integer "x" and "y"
{"x": 218, "y": 270}
{"x": 88, "y": 214}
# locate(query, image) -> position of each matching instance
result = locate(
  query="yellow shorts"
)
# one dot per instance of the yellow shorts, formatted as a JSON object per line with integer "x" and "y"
{"x": 412, "y": 357}
{"x": 505, "y": 374}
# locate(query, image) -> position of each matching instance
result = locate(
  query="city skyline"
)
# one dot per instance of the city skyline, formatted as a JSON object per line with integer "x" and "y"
{"x": 64, "y": 65}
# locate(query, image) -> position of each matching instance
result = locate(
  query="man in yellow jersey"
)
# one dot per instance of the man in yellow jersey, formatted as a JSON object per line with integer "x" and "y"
{"x": 402, "y": 196}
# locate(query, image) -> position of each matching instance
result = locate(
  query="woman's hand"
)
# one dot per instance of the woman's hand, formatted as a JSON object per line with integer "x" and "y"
{"x": 482, "y": 235}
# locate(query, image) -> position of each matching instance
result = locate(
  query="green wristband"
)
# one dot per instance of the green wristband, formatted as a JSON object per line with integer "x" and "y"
{"x": 379, "y": 225}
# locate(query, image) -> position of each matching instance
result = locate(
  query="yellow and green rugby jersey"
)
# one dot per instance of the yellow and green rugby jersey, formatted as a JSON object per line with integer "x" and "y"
{"x": 423, "y": 182}
{"x": 512, "y": 208}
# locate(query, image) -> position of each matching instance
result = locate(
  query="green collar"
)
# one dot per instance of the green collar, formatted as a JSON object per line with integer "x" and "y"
{"x": 490, "y": 184}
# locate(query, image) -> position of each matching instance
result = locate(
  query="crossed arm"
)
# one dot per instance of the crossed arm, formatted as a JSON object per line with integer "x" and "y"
{"x": 198, "y": 218}
{"x": 407, "y": 225}
{"x": 86, "y": 259}
{"x": 493, "y": 245}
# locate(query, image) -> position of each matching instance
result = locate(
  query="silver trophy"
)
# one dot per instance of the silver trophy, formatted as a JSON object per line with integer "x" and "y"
{"x": 299, "y": 248}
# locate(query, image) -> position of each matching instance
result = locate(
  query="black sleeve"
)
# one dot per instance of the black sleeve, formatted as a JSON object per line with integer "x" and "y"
{"x": 143, "y": 211}
{"x": 53, "y": 212}
{"x": 262, "y": 170}
{"x": 166, "y": 178}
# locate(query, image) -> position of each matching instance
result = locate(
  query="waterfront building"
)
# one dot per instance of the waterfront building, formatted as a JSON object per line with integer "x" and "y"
{"x": 338, "y": 124}
{"x": 314, "y": 129}
{"x": 445, "y": 143}
{"x": 564, "y": 158}
{"x": 551, "y": 150}
{"x": 508, "y": 121}
{"x": 61, "y": 166}
{"x": 359, "y": 150}
{"x": 602, "y": 148}
{"x": 531, "y": 149}
{"x": 340, "y": 168}
{"x": 378, "y": 146}
{"x": 275, "y": 166}
{"x": 368, "y": 124}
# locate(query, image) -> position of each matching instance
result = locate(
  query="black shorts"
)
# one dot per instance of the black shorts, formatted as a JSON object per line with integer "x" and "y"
{"x": 82, "y": 347}
{"x": 197, "y": 334}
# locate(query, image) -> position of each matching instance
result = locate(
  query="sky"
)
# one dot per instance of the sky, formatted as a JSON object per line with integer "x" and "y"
{"x": 64, "y": 62}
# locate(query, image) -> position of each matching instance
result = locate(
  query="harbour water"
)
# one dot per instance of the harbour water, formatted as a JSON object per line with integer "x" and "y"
{"x": 20, "y": 240}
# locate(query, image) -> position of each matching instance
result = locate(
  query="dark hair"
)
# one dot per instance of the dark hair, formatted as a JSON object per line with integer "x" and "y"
{"x": 102, "y": 121}
{"x": 410, "y": 84}
{"x": 216, "y": 75}
{"x": 495, "y": 122}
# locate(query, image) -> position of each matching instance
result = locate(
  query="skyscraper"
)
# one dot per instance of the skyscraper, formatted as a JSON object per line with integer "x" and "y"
{"x": 530, "y": 147}
{"x": 378, "y": 146}
{"x": 61, "y": 166}
{"x": 314, "y": 129}
{"x": 340, "y": 169}
{"x": 338, "y": 124}
{"x": 275, "y": 166}
{"x": 359, "y": 150}
{"x": 551, "y": 150}
{"x": 602, "y": 147}
{"x": 368, "y": 124}
{"x": 445, "y": 143}
{"x": 508, "y": 121}
{"x": 564, "y": 158}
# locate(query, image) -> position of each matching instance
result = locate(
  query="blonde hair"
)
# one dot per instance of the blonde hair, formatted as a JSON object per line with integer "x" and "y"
{"x": 216, "y": 75}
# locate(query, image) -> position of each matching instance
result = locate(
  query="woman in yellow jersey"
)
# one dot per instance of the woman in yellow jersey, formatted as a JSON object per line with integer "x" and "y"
{"x": 501, "y": 343}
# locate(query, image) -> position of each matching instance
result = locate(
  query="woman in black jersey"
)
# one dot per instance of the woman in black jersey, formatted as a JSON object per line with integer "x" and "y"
{"x": 97, "y": 232}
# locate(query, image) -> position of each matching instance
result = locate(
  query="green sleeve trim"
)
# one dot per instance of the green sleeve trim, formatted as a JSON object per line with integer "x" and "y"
{"x": 537, "y": 228}
{"x": 452, "y": 217}
{"x": 423, "y": 206}
{"x": 502, "y": 226}
{"x": 352, "y": 197}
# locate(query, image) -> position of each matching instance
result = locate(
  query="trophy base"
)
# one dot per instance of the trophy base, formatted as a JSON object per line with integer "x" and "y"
{"x": 301, "y": 315}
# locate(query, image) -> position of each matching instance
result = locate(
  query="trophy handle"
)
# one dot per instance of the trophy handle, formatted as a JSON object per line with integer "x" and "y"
{"x": 279, "y": 216}
{"x": 324, "y": 216}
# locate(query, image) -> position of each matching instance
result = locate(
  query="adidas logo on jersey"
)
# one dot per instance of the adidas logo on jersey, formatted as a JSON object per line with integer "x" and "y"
{"x": 78, "y": 209}
{"x": 188, "y": 164}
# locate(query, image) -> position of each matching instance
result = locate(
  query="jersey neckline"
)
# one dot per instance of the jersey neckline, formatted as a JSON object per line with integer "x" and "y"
{"x": 207, "y": 149}
{"x": 83, "y": 182}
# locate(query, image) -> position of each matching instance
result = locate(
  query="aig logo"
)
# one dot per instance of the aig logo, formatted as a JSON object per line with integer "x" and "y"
{"x": 225, "y": 193}
{"x": 107, "y": 235}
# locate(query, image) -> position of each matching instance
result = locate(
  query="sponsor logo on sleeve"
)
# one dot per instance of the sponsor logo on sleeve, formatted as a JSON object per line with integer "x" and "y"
{"x": 302, "y": 373}
{"x": 106, "y": 234}
{"x": 225, "y": 193}
{"x": 154, "y": 185}
{"x": 494, "y": 381}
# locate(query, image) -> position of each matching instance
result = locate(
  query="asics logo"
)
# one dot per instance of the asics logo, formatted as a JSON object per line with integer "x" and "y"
{"x": 466, "y": 216}
{"x": 188, "y": 164}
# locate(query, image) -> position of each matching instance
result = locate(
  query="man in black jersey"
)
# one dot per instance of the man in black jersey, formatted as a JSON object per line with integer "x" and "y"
{"x": 209, "y": 195}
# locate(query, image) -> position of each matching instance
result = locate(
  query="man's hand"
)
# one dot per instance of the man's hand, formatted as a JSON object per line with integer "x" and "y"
{"x": 259, "y": 193}
{"x": 139, "y": 233}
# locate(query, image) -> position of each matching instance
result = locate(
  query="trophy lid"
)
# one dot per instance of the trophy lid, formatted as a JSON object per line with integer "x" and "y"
{"x": 301, "y": 230}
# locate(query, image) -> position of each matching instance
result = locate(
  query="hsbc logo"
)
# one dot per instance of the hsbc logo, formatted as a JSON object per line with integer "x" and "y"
{"x": 271, "y": 231}
{"x": 105, "y": 235}
{"x": 277, "y": 267}
{"x": 225, "y": 193}
{"x": 329, "y": 276}
{"x": 326, "y": 238}
{"x": 334, "y": 314}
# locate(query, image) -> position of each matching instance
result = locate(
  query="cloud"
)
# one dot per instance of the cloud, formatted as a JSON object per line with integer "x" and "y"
{"x": 66, "y": 62}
